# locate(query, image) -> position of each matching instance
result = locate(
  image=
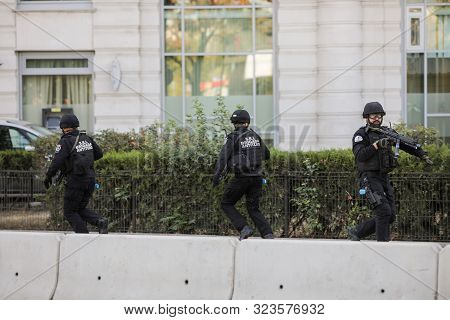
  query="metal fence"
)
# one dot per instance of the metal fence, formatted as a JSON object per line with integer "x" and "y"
{"x": 305, "y": 205}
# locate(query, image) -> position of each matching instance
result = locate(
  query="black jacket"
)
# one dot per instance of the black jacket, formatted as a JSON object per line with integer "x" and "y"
{"x": 232, "y": 147}
{"x": 368, "y": 158}
{"x": 64, "y": 159}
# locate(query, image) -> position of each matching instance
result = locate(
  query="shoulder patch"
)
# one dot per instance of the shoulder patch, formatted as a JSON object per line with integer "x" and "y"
{"x": 58, "y": 148}
{"x": 358, "y": 139}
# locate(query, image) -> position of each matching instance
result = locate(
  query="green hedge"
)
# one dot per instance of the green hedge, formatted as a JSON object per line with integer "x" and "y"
{"x": 159, "y": 180}
{"x": 193, "y": 149}
{"x": 189, "y": 163}
{"x": 280, "y": 162}
{"x": 16, "y": 160}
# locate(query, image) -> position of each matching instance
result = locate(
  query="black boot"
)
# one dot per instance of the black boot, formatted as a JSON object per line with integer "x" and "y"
{"x": 352, "y": 235}
{"x": 102, "y": 225}
{"x": 245, "y": 233}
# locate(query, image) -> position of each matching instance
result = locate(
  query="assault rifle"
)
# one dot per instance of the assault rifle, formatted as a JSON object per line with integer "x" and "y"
{"x": 60, "y": 174}
{"x": 397, "y": 139}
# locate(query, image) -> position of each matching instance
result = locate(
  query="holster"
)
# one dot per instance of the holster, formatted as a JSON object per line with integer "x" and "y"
{"x": 373, "y": 198}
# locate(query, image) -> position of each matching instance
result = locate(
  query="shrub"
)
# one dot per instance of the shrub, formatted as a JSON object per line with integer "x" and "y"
{"x": 16, "y": 160}
{"x": 159, "y": 179}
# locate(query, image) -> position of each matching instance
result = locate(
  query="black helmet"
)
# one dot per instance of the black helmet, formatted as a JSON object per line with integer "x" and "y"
{"x": 373, "y": 107}
{"x": 240, "y": 116}
{"x": 69, "y": 121}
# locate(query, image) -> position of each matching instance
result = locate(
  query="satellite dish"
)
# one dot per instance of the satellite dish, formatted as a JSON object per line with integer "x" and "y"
{"x": 116, "y": 75}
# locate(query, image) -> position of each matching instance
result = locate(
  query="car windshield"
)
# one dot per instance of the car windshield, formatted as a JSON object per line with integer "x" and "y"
{"x": 41, "y": 130}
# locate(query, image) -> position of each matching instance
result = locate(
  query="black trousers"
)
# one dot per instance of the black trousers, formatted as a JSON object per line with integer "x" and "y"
{"x": 251, "y": 187}
{"x": 384, "y": 213}
{"x": 76, "y": 198}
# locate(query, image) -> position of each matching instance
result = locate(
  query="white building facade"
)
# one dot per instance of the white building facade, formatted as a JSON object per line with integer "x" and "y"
{"x": 303, "y": 68}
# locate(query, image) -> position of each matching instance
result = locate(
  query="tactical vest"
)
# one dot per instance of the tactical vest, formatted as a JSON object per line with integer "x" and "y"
{"x": 247, "y": 153}
{"x": 82, "y": 156}
{"x": 383, "y": 161}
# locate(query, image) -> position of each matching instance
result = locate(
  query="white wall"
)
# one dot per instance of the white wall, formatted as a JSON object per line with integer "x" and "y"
{"x": 8, "y": 69}
{"x": 330, "y": 269}
{"x": 28, "y": 264}
{"x": 145, "y": 267}
{"x": 318, "y": 41}
{"x": 128, "y": 31}
{"x": 40, "y": 265}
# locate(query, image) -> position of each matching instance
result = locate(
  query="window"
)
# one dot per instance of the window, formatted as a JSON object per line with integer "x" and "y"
{"x": 18, "y": 139}
{"x": 53, "y": 84}
{"x": 53, "y": 5}
{"x": 13, "y": 138}
{"x": 428, "y": 65}
{"x": 219, "y": 47}
{"x": 5, "y": 139}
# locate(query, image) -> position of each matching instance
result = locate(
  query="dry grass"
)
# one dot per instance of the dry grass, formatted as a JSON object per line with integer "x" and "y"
{"x": 24, "y": 220}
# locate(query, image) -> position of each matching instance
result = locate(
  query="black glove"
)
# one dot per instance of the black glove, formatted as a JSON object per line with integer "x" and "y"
{"x": 427, "y": 160}
{"x": 47, "y": 182}
{"x": 216, "y": 181}
{"x": 384, "y": 143}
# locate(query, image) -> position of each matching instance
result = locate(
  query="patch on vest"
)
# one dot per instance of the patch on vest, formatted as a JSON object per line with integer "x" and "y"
{"x": 58, "y": 148}
{"x": 358, "y": 139}
{"x": 250, "y": 142}
{"x": 83, "y": 146}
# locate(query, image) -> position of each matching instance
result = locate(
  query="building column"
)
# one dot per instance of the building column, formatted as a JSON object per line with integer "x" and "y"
{"x": 150, "y": 61}
{"x": 117, "y": 37}
{"x": 8, "y": 60}
{"x": 297, "y": 71}
{"x": 339, "y": 45}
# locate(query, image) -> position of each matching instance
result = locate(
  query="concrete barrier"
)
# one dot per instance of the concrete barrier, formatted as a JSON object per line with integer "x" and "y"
{"x": 444, "y": 274}
{"x": 35, "y": 265}
{"x": 146, "y": 267}
{"x": 28, "y": 264}
{"x": 327, "y": 269}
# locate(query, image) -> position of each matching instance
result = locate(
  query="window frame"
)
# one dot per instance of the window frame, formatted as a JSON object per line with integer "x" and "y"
{"x": 55, "y": 5}
{"x": 253, "y": 52}
{"x": 409, "y": 17}
{"x": 425, "y": 51}
{"x": 24, "y": 71}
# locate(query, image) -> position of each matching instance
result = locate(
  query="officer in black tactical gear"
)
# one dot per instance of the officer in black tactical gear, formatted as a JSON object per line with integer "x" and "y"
{"x": 74, "y": 157}
{"x": 375, "y": 159}
{"x": 243, "y": 153}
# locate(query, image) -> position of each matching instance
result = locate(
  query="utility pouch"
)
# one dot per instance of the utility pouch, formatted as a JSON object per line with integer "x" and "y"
{"x": 373, "y": 198}
{"x": 387, "y": 160}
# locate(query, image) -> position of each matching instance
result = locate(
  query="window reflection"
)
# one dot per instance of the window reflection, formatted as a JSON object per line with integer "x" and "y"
{"x": 438, "y": 86}
{"x": 442, "y": 124}
{"x": 173, "y": 2}
{"x": 172, "y": 28}
{"x": 223, "y": 30}
{"x": 218, "y": 2}
{"x": 217, "y": 75}
{"x": 415, "y": 32}
{"x": 415, "y": 88}
{"x": 173, "y": 76}
{"x": 226, "y": 52}
{"x": 438, "y": 27}
{"x": 263, "y": 28}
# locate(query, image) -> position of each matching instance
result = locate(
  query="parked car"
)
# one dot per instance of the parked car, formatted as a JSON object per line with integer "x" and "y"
{"x": 18, "y": 134}
{"x": 19, "y": 187}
